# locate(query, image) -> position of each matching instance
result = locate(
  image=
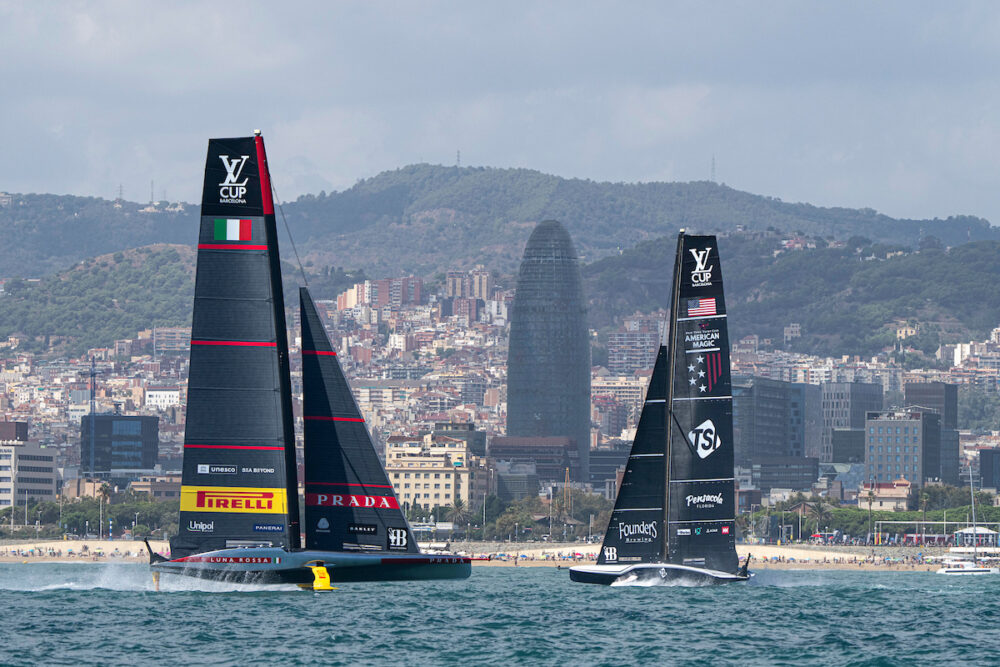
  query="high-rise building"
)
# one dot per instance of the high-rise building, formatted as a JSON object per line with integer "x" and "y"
{"x": 940, "y": 397}
{"x": 124, "y": 442}
{"x": 548, "y": 368}
{"x": 846, "y": 405}
{"x": 989, "y": 468}
{"x": 770, "y": 418}
{"x": 903, "y": 444}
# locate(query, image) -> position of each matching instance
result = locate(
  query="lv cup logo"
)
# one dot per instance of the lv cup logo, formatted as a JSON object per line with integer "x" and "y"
{"x": 702, "y": 274}
{"x": 232, "y": 190}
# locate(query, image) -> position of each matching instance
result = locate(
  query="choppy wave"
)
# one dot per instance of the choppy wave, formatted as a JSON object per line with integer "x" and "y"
{"x": 109, "y": 614}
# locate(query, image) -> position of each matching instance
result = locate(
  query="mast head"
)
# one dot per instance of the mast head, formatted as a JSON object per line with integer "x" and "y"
{"x": 256, "y": 133}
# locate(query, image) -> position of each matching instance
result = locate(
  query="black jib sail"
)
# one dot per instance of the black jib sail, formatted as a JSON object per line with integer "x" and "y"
{"x": 239, "y": 484}
{"x": 701, "y": 529}
{"x": 350, "y": 504}
{"x": 635, "y": 532}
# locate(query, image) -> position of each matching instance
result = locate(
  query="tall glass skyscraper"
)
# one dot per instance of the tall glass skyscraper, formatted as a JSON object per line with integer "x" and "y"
{"x": 548, "y": 368}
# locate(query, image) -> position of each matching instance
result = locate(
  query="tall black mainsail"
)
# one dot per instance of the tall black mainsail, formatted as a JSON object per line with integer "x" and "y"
{"x": 350, "y": 504}
{"x": 239, "y": 482}
{"x": 701, "y": 493}
{"x": 675, "y": 511}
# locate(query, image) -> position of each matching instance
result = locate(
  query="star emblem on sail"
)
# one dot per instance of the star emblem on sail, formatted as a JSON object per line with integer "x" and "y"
{"x": 705, "y": 372}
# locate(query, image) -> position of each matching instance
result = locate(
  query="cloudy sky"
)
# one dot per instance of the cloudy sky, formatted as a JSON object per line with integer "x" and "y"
{"x": 889, "y": 105}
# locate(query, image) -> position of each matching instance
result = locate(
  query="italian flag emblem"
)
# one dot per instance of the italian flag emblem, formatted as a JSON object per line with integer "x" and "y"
{"x": 232, "y": 229}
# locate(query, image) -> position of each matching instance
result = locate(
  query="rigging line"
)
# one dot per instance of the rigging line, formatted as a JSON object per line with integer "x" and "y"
{"x": 288, "y": 231}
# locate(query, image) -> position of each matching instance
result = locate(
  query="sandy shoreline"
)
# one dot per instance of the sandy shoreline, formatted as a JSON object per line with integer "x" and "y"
{"x": 765, "y": 557}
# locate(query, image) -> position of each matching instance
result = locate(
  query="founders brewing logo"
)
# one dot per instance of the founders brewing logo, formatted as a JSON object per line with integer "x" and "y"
{"x": 702, "y": 274}
{"x": 232, "y": 190}
{"x": 637, "y": 532}
{"x": 703, "y": 439}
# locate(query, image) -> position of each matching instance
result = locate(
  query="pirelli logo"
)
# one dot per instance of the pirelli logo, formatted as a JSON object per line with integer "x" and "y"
{"x": 233, "y": 499}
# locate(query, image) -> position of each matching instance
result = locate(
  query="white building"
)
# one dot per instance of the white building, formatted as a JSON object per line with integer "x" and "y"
{"x": 161, "y": 398}
{"x": 26, "y": 471}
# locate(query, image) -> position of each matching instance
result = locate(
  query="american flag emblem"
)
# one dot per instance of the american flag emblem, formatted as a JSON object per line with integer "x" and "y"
{"x": 701, "y": 307}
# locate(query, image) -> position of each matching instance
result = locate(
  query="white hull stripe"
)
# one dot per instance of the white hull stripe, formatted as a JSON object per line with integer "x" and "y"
{"x": 643, "y": 456}
{"x": 704, "y": 349}
{"x": 656, "y": 400}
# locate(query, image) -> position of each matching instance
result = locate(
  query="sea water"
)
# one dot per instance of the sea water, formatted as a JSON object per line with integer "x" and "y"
{"x": 77, "y": 613}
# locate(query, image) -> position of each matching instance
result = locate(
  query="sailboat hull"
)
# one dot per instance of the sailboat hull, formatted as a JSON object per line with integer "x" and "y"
{"x": 645, "y": 574}
{"x": 277, "y": 566}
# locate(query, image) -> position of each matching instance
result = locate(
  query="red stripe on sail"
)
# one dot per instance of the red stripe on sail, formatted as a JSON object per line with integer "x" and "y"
{"x": 280, "y": 449}
{"x": 230, "y": 246}
{"x": 335, "y": 419}
{"x": 265, "y": 176}
{"x": 370, "y": 486}
{"x": 320, "y": 353}
{"x": 237, "y": 343}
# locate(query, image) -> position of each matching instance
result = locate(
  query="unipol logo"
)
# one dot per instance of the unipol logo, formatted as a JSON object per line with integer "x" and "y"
{"x": 702, "y": 274}
{"x": 232, "y": 190}
{"x": 703, "y": 439}
{"x": 611, "y": 553}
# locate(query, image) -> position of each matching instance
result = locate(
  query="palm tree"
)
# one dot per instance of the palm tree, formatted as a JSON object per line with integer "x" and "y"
{"x": 458, "y": 513}
{"x": 820, "y": 511}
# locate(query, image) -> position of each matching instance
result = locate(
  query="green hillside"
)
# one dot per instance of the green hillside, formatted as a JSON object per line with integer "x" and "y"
{"x": 846, "y": 299}
{"x": 426, "y": 219}
{"x": 43, "y": 234}
{"x": 113, "y": 296}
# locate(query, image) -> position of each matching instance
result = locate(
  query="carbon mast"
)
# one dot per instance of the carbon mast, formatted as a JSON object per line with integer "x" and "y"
{"x": 669, "y": 411}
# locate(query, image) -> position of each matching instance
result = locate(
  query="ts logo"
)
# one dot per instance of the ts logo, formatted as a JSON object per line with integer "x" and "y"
{"x": 397, "y": 538}
{"x": 703, "y": 439}
{"x": 611, "y": 553}
{"x": 702, "y": 274}
{"x": 232, "y": 190}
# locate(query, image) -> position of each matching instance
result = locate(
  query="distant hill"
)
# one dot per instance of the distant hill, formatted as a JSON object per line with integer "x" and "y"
{"x": 426, "y": 219}
{"x": 43, "y": 234}
{"x": 115, "y": 295}
{"x": 101, "y": 299}
{"x": 846, "y": 299}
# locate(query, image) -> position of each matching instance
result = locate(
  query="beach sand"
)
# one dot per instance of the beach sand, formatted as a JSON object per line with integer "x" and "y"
{"x": 765, "y": 557}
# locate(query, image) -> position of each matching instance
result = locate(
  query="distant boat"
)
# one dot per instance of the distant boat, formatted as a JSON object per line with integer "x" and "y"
{"x": 674, "y": 518}
{"x": 973, "y": 567}
{"x": 239, "y": 513}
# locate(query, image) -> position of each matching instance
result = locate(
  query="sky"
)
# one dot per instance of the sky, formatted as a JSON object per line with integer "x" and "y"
{"x": 889, "y": 105}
